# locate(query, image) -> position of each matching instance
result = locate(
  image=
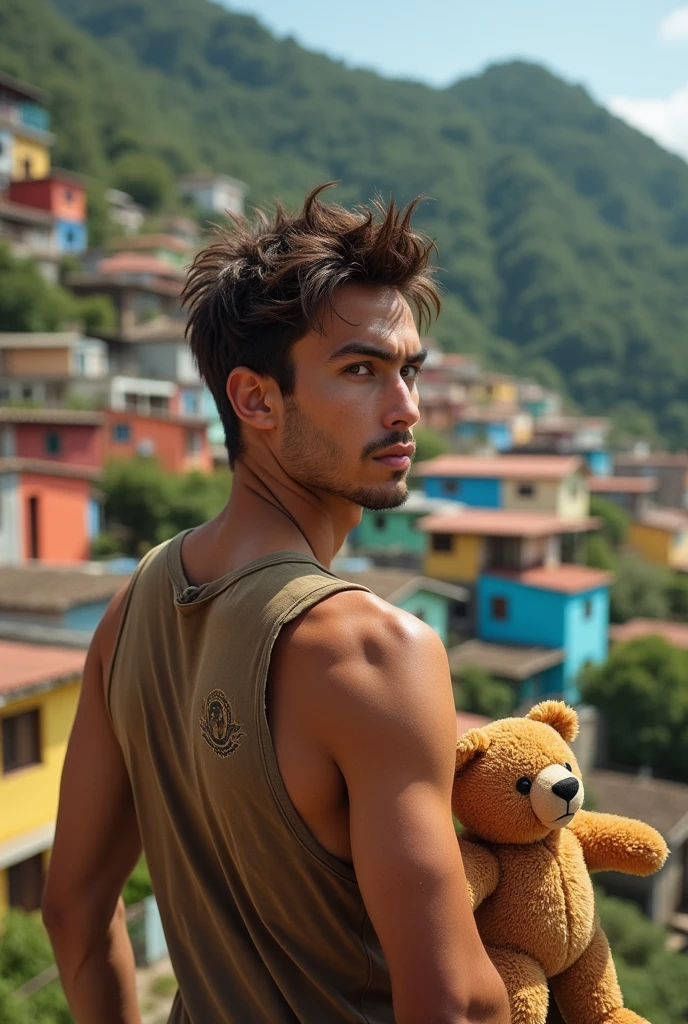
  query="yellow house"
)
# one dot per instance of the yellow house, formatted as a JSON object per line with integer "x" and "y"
{"x": 464, "y": 544}
{"x": 39, "y": 690}
{"x": 660, "y": 536}
{"x": 497, "y": 387}
{"x": 24, "y": 128}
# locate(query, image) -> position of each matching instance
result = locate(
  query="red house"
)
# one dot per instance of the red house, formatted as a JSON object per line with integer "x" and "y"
{"x": 62, "y": 194}
{"x": 56, "y": 435}
{"x": 179, "y": 443}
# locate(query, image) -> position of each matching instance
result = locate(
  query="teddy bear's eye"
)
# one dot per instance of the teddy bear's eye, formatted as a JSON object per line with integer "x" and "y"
{"x": 567, "y": 766}
{"x": 524, "y": 786}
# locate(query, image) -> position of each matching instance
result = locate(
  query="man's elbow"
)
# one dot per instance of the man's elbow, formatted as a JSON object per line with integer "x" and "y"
{"x": 491, "y": 1008}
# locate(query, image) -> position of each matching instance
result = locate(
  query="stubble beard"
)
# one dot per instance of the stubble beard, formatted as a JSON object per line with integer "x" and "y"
{"x": 311, "y": 456}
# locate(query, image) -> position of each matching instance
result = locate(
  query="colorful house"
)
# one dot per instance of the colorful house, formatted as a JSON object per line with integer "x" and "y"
{"x": 464, "y": 544}
{"x": 443, "y": 606}
{"x": 56, "y": 435}
{"x": 167, "y": 248}
{"x": 556, "y": 484}
{"x": 39, "y": 690}
{"x": 537, "y": 400}
{"x": 25, "y": 135}
{"x": 179, "y": 443}
{"x": 62, "y": 195}
{"x": 634, "y": 494}
{"x": 553, "y": 618}
{"x": 393, "y": 532}
{"x": 660, "y": 536}
{"x": 48, "y": 510}
{"x": 30, "y": 234}
{"x": 56, "y": 599}
{"x": 670, "y": 469}
{"x": 216, "y": 193}
{"x": 575, "y": 435}
{"x": 500, "y": 426}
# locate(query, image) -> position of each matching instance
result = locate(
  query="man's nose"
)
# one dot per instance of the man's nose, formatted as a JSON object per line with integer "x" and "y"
{"x": 403, "y": 410}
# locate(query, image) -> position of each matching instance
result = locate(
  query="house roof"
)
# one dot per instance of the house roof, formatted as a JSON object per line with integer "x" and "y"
{"x": 92, "y": 281}
{"x": 25, "y": 89}
{"x": 209, "y": 177}
{"x": 563, "y": 579}
{"x": 138, "y": 263}
{"x": 503, "y": 660}
{"x": 46, "y": 467}
{"x": 660, "y": 803}
{"x": 130, "y": 243}
{"x": 498, "y": 413}
{"x": 653, "y": 459}
{"x": 39, "y": 339}
{"x": 117, "y": 415}
{"x": 670, "y": 519}
{"x": 622, "y": 484}
{"x": 36, "y": 588}
{"x": 62, "y": 417}
{"x": 466, "y": 720}
{"x": 498, "y": 522}
{"x": 29, "y": 667}
{"x": 533, "y": 467}
{"x": 675, "y": 633}
{"x": 24, "y": 214}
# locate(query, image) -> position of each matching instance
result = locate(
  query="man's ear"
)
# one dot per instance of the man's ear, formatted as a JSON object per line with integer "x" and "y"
{"x": 469, "y": 745}
{"x": 557, "y": 714}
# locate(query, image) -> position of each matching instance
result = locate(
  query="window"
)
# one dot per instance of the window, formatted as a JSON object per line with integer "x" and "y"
{"x": 68, "y": 195}
{"x": 441, "y": 541}
{"x": 21, "y": 744}
{"x": 26, "y": 883}
{"x": 587, "y": 609}
{"x": 450, "y": 486}
{"x": 526, "y": 490}
{"x": 380, "y": 522}
{"x": 499, "y": 607}
{"x": 27, "y": 393}
{"x": 53, "y": 443}
{"x": 121, "y": 433}
{"x": 193, "y": 442}
{"x": 69, "y": 236}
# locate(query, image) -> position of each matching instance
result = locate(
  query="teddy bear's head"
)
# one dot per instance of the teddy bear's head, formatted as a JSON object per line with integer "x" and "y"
{"x": 517, "y": 779}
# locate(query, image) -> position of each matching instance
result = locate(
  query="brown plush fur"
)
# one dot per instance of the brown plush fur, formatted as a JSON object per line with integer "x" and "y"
{"x": 529, "y": 879}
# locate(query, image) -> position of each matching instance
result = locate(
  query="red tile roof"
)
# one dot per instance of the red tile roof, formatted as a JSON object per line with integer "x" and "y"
{"x": 30, "y": 665}
{"x": 498, "y": 522}
{"x": 143, "y": 242}
{"x": 564, "y": 579}
{"x": 533, "y": 467}
{"x": 622, "y": 484}
{"x": 672, "y": 520}
{"x": 46, "y": 467}
{"x": 466, "y": 720}
{"x": 675, "y": 633}
{"x": 137, "y": 263}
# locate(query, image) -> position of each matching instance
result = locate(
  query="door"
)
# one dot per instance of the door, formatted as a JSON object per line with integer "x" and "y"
{"x": 34, "y": 547}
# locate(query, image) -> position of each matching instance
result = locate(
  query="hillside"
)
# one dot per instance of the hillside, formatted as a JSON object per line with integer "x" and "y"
{"x": 563, "y": 233}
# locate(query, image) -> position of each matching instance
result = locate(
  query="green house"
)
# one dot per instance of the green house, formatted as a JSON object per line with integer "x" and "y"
{"x": 393, "y": 531}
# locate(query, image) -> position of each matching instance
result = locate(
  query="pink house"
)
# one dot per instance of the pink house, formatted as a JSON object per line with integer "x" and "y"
{"x": 55, "y": 435}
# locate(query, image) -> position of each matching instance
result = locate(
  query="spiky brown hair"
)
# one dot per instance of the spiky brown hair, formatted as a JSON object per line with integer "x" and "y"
{"x": 263, "y": 283}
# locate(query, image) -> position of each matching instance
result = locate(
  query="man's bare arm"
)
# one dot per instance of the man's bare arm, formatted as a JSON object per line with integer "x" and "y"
{"x": 383, "y": 708}
{"x": 96, "y": 846}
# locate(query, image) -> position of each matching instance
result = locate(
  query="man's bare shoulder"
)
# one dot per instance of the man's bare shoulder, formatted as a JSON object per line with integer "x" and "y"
{"x": 367, "y": 650}
{"x": 105, "y": 636}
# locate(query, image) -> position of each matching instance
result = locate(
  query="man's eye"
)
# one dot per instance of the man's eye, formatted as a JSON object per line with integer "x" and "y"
{"x": 355, "y": 369}
{"x": 414, "y": 374}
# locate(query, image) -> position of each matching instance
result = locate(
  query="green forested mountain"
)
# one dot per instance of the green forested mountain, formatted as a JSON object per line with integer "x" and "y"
{"x": 563, "y": 233}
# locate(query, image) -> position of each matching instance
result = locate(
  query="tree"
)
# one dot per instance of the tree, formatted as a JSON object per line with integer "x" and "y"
{"x": 147, "y": 178}
{"x": 677, "y": 596}
{"x": 615, "y": 520}
{"x": 639, "y": 590}
{"x": 97, "y": 313}
{"x": 429, "y": 443}
{"x": 599, "y": 554}
{"x": 478, "y": 692}
{"x": 642, "y": 690}
{"x": 27, "y": 301}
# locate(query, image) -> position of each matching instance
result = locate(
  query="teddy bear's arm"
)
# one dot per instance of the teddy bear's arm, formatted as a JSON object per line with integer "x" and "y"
{"x": 613, "y": 843}
{"x": 482, "y": 870}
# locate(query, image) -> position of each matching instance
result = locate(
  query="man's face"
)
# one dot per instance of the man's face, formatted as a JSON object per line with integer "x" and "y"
{"x": 355, "y": 399}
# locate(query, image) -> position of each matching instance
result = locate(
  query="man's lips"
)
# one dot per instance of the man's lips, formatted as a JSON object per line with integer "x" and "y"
{"x": 398, "y": 457}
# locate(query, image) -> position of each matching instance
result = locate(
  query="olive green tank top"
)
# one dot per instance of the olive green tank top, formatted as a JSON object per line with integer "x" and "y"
{"x": 263, "y": 925}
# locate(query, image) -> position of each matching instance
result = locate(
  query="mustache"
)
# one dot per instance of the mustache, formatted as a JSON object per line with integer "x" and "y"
{"x": 395, "y": 437}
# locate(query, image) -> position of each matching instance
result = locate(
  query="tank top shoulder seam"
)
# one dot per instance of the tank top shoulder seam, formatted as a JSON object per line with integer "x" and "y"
{"x": 286, "y": 808}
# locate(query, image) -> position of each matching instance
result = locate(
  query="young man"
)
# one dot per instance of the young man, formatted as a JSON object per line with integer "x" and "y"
{"x": 280, "y": 741}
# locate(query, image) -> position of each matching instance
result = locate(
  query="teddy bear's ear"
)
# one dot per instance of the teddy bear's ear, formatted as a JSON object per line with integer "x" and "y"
{"x": 471, "y": 743}
{"x": 557, "y": 714}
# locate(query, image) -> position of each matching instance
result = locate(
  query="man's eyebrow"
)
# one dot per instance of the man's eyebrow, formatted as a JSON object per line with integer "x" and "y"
{"x": 359, "y": 348}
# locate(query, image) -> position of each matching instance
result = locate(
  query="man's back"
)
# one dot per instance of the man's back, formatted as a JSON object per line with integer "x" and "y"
{"x": 255, "y": 910}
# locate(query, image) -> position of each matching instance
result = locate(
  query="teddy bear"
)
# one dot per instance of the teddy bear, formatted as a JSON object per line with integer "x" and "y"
{"x": 528, "y": 848}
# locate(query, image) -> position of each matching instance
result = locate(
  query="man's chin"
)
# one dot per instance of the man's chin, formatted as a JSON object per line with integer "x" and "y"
{"x": 384, "y": 496}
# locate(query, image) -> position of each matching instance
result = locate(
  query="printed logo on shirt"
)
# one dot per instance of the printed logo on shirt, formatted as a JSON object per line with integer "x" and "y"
{"x": 218, "y": 725}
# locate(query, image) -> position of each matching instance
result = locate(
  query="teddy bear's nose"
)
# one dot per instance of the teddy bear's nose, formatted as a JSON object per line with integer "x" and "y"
{"x": 566, "y": 789}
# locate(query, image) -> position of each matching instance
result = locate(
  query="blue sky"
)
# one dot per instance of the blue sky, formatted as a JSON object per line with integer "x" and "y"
{"x": 631, "y": 54}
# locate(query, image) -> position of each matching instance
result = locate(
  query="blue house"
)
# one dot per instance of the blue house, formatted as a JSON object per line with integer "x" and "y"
{"x": 555, "y": 618}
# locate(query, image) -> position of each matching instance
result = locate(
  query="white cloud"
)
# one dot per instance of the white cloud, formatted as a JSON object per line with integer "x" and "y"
{"x": 674, "y": 27}
{"x": 665, "y": 120}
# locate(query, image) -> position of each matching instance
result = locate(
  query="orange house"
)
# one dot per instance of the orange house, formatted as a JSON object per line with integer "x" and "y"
{"x": 48, "y": 512}
{"x": 179, "y": 443}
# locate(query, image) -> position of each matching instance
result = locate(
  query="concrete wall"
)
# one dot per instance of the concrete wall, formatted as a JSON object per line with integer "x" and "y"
{"x": 462, "y": 563}
{"x": 391, "y": 530}
{"x": 62, "y": 511}
{"x": 476, "y": 491}
{"x": 78, "y": 445}
{"x": 533, "y": 616}
{"x": 10, "y": 520}
{"x": 650, "y": 543}
{"x": 38, "y": 362}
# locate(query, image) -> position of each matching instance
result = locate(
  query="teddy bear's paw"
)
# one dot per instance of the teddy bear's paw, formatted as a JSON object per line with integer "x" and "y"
{"x": 624, "y": 1016}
